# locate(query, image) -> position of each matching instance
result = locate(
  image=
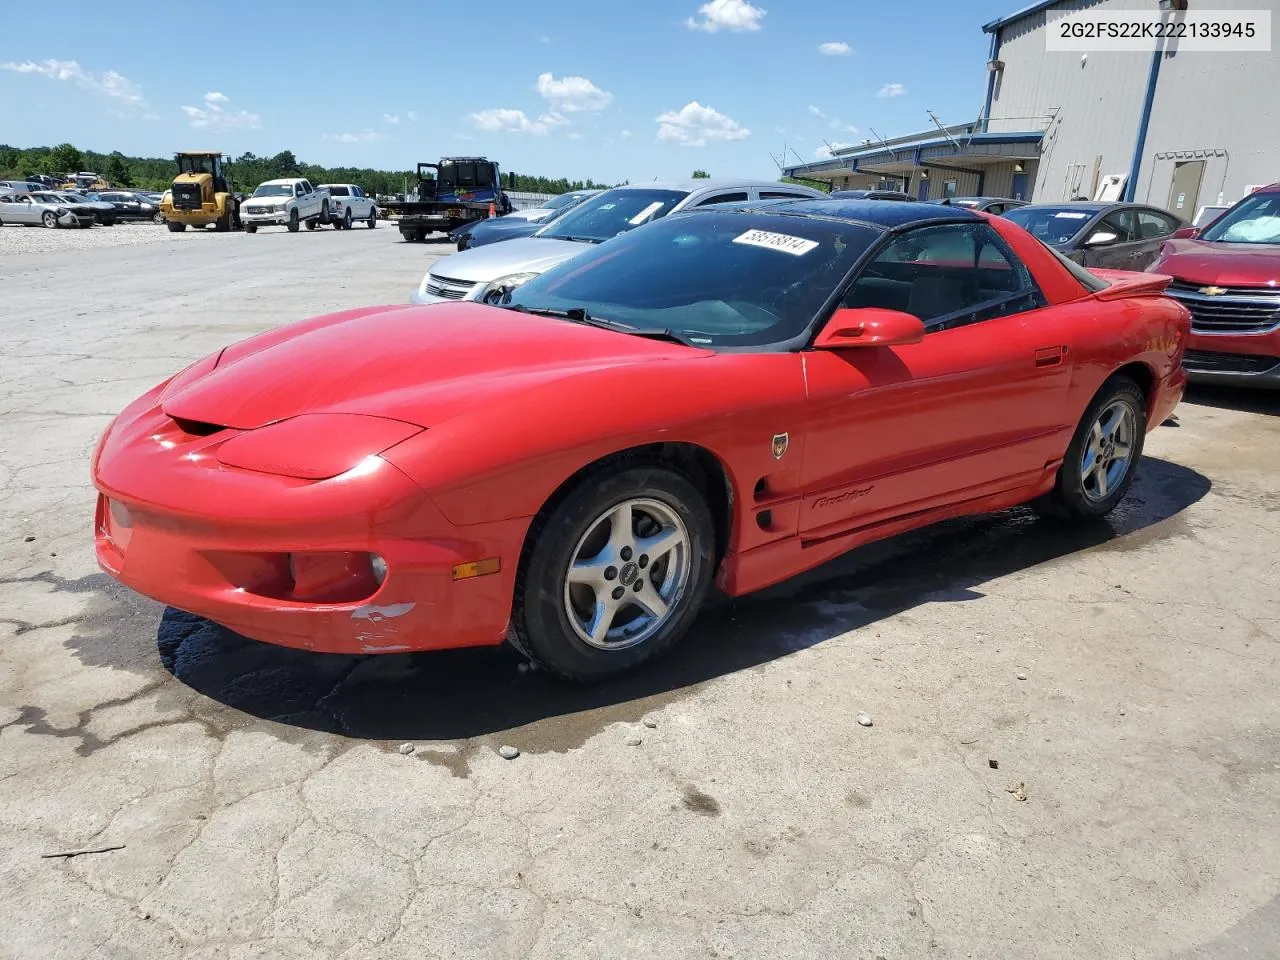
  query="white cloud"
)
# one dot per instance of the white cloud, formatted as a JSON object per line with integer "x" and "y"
{"x": 736, "y": 16}
{"x": 834, "y": 49}
{"x": 215, "y": 116}
{"x": 693, "y": 125}
{"x": 574, "y": 136}
{"x": 842, "y": 126}
{"x": 572, "y": 94}
{"x": 816, "y": 112}
{"x": 824, "y": 152}
{"x": 625, "y": 135}
{"x": 108, "y": 83}
{"x": 364, "y": 136}
{"x": 500, "y": 120}
{"x": 390, "y": 118}
{"x": 413, "y": 116}
{"x": 463, "y": 136}
{"x": 544, "y": 39}
{"x": 891, "y": 90}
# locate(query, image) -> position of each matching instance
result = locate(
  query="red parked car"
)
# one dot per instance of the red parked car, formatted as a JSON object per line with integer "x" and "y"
{"x": 734, "y": 395}
{"x": 1228, "y": 275}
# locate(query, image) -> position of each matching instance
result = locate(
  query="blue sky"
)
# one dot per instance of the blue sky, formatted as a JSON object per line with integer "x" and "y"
{"x": 604, "y": 89}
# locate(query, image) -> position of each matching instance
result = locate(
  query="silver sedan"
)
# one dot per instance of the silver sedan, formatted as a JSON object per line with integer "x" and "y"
{"x": 24, "y": 209}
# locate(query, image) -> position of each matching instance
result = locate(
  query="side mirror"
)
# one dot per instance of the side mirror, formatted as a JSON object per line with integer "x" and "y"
{"x": 1185, "y": 233}
{"x": 869, "y": 327}
{"x": 1101, "y": 238}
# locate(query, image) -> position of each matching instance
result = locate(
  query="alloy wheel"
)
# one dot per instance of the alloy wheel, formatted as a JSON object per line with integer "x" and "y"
{"x": 627, "y": 574}
{"x": 1109, "y": 451}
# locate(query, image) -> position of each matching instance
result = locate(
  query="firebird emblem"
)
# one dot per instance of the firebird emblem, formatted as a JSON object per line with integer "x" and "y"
{"x": 780, "y": 442}
{"x": 1213, "y": 291}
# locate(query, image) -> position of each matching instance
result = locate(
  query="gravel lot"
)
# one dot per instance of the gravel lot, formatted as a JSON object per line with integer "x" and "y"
{"x": 1075, "y": 750}
{"x": 18, "y": 239}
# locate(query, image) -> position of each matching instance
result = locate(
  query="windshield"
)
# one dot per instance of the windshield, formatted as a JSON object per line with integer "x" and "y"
{"x": 466, "y": 175}
{"x": 196, "y": 164}
{"x": 1255, "y": 219}
{"x": 564, "y": 200}
{"x": 49, "y": 198}
{"x": 274, "y": 190}
{"x": 717, "y": 278}
{"x": 613, "y": 212}
{"x": 339, "y": 192}
{"x": 76, "y": 197}
{"x": 1053, "y": 225}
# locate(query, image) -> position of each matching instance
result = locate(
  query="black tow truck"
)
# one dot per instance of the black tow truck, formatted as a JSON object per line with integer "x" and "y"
{"x": 449, "y": 194}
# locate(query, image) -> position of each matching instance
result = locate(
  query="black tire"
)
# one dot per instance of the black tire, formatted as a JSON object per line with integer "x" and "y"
{"x": 540, "y": 624}
{"x": 293, "y": 220}
{"x": 175, "y": 227}
{"x": 346, "y": 220}
{"x": 250, "y": 228}
{"x": 223, "y": 223}
{"x": 49, "y": 219}
{"x": 311, "y": 224}
{"x": 372, "y": 222}
{"x": 1071, "y": 497}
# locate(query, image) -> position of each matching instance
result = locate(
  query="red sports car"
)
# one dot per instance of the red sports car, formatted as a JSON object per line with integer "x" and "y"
{"x": 730, "y": 394}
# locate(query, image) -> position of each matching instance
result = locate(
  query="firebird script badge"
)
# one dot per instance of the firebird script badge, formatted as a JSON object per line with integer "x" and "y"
{"x": 1213, "y": 291}
{"x": 780, "y": 441}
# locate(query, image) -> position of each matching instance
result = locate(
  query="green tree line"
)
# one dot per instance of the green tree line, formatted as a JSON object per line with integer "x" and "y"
{"x": 246, "y": 171}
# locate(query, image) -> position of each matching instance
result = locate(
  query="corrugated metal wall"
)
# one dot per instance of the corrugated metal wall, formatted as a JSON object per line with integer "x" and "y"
{"x": 1220, "y": 104}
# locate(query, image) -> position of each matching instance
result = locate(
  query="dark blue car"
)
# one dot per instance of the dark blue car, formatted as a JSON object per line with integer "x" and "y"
{"x": 525, "y": 223}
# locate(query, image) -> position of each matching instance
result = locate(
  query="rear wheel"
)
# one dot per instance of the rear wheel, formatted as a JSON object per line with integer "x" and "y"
{"x": 223, "y": 223}
{"x": 157, "y": 217}
{"x": 615, "y": 573}
{"x": 346, "y": 220}
{"x": 293, "y": 220}
{"x": 175, "y": 227}
{"x": 1103, "y": 454}
{"x": 311, "y": 224}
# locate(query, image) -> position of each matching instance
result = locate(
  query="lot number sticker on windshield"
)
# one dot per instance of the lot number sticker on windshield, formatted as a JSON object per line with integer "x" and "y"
{"x": 796, "y": 246}
{"x": 1072, "y": 215}
{"x": 646, "y": 213}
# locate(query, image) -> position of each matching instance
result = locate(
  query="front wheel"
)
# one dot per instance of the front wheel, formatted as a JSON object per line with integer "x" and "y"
{"x": 615, "y": 573}
{"x": 49, "y": 219}
{"x": 1103, "y": 454}
{"x": 373, "y": 218}
{"x": 293, "y": 220}
{"x": 176, "y": 227}
{"x": 250, "y": 228}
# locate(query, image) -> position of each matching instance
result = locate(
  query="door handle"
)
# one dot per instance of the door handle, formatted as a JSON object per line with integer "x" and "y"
{"x": 1050, "y": 356}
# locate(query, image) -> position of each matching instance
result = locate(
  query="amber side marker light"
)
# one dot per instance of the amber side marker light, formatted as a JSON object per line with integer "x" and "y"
{"x": 477, "y": 568}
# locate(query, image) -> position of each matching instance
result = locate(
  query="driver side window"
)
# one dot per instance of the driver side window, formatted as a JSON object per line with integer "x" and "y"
{"x": 949, "y": 275}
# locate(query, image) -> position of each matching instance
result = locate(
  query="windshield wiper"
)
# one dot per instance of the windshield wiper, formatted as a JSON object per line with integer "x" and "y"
{"x": 580, "y": 315}
{"x": 576, "y": 239}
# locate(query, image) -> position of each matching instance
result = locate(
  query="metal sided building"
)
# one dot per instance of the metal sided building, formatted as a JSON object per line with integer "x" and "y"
{"x": 1174, "y": 128}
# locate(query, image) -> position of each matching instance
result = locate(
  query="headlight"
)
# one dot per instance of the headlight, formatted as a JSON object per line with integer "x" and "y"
{"x": 316, "y": 446}
{"x": 503, "y": 284}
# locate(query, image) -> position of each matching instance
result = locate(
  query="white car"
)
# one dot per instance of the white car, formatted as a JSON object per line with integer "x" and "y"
{"x": 290, "y": 202}
{"x": 348, "y": 203}
{"x": 29, "y": 211}
{"x": 474, "y": 274}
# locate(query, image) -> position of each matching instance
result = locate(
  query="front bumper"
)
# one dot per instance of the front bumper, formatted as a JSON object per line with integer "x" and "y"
{"x": 217, "y": 541}
{"x": 264, "y": 219}
{"x": 1242, "y": 360}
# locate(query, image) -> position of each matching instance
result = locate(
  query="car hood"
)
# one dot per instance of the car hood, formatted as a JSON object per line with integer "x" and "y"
{"x": 521, "y": 255}
{"x": 420, "y": 365}
{"x": 1225, "y": 264}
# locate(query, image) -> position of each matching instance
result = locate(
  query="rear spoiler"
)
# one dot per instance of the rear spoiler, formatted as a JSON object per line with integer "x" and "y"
{"x": 1122, "y": 284}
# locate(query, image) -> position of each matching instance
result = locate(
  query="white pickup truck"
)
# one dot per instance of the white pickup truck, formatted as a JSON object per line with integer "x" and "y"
{"x": 290, "y": 202}
{"x": 349, "y": 204}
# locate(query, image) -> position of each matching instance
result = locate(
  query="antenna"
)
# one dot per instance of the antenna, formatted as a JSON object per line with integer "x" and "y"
{"x": 796, "y": 155}
{"x": 884, "y": 143}
{"x": 937, "y": 123}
